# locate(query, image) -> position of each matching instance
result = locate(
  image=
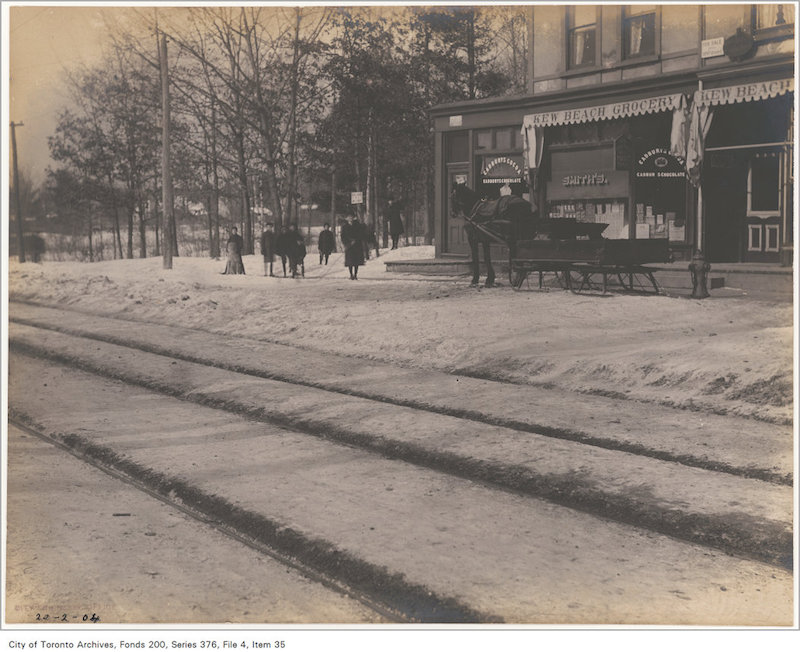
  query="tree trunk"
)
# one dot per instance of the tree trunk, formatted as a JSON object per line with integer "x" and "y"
{"x": 131, "y": 209}
{"x": 156, "y": 215}
{"x": 245, "y": 194}
{"x": 214, "y": 206}
{"x": 91, "y": 246}
{"x": 471, "y": 52}
{"x": 142, "y": 232}
{"x": 333, "y": 198}
{"x": 291, "y": 168}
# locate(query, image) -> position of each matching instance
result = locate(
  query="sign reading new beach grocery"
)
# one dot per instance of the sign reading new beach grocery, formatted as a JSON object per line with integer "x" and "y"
{"x": 604, "y": 111}
{"x": 744, "y": 92}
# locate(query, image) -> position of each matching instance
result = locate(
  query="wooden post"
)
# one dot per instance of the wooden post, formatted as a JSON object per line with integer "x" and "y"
{"x": 20, "y": 241}
{"x": 168, "y": 226}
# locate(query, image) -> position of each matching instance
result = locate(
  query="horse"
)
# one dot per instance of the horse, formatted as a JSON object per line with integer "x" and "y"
{"x": 487, "y": 221}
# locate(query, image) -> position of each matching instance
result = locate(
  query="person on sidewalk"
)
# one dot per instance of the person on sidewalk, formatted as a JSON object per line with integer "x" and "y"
{"x": 297, "y": 253}
{"x": 283, "y": 246}
{"x": 235, "y": 245}
{"x": 326, "y": 243}
{"x": 353, "y": 242}
{"x": 395, "y": 222}
{"x": 268, "y": 248}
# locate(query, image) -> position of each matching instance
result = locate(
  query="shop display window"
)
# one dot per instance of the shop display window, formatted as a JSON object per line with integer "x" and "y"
{"x": 605, "y": 211}
{"x": 654, "y": 223}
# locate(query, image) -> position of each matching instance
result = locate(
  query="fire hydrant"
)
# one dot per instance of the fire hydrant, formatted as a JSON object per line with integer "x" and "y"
{"x": 699, "y": 269}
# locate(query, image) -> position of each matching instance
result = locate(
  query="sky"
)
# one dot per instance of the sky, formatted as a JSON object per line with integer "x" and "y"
{"x": 45, "y": 42}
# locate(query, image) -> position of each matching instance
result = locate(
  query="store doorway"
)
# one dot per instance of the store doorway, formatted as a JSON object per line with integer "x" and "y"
{"x": 455, "y": 235}
{"x": 725, "y": 206}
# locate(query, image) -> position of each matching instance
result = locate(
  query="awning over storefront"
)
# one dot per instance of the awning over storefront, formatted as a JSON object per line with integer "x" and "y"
{"x": 744, "y": 92}
{"x": 603, "y": 111}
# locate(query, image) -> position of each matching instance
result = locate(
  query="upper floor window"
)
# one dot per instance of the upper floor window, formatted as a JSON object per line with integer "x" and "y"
{"x": 581, "y": 35}
{"x": 639, "y": 31}
{"x": 774, "y": 15}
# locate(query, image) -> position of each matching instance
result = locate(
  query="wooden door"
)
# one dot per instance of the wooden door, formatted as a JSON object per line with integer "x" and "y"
{"x": 455, "y": 236}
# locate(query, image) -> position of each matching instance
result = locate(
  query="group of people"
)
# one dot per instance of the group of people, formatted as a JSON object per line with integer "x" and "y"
{"x": 290, "y": 245}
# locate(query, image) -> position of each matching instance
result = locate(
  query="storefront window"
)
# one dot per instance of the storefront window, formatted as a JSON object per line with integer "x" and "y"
{"x": 582, "y": 30}
{"x": 504, "y": 139}
{"x": 763, "y": 186}
{"x": 458, "y": 146}
{"x": 483, "y": 139}
{"x": 639, "y": 31}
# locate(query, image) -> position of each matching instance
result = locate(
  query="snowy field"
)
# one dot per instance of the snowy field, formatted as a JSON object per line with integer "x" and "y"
{"x": 728, "y": 355}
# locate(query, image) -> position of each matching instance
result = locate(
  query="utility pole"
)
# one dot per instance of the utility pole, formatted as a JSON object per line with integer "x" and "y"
{"x": 21, "y": 242}
{"x": 168, "y": 225}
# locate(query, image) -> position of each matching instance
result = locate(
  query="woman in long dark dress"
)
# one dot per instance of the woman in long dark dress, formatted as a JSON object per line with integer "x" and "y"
{"x": 235, "y": 245}
{"x": 353, "y": 241}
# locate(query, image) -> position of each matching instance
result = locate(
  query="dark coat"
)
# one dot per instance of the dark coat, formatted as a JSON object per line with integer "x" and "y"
{"x": 284, "y": 243}
{"x": 268, "y": 244}
{"x": 298, "y": 246}
{"x": 395, "y": 221}
{"x": 353, "y": 238}
{"x": 326, "y": 243}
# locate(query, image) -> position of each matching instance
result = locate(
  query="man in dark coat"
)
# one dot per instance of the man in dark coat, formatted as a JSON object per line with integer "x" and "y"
{"x": 353, "y": 241}
{"x": 395, "y": 222}
{"x": 235, "y": 246}
{"x": 283, "y": 246}
{"x": 297, "y": 252}
{"x": 326, "y": 243}
{"x": 268, "y": 248}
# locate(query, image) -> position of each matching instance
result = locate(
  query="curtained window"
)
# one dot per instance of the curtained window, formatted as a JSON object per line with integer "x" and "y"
{"x": 581, "y": 36}
{"x": 639, "y": 31}
{"x": 774, "y": 15}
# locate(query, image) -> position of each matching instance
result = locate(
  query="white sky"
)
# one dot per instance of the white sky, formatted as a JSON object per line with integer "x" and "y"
{"x": 43, "y": 43}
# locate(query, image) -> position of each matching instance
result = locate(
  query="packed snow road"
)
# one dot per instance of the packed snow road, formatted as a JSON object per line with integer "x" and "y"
{"x": 438, "y": 513}
{"x": 87, "y": 548}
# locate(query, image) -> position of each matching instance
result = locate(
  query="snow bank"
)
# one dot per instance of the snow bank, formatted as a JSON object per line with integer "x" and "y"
{"x": 731, "y": 355}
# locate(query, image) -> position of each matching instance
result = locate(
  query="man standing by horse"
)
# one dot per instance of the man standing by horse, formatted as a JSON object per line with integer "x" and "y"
{"x": 489, "y": 221}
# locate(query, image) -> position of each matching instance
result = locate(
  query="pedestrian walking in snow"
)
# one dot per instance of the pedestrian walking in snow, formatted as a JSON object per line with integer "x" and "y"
{"x": 395, "y": 222}
{"x": 283, "y": 246}
{"x": 326, "y": 244}
{"x": 353, "y": 242}
{"x": 235, "y": 245}
{"x": 297, "y": 252}
{"x": 268, "y": 248}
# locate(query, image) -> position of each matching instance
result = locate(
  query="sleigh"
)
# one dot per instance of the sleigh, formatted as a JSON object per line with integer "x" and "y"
{"x": 588, "y": 263}
{"x": 578, "y": 255}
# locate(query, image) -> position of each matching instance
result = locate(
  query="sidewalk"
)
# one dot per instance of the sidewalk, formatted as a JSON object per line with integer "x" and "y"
{"x": 755, "y": 280}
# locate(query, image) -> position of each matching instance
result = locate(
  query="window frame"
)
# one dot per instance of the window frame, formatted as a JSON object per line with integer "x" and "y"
{"x": 763, "y": 214}
{"x": 571, "y": 28}
{"x": 785, "y": 29}
{"x": 625, "y": 17}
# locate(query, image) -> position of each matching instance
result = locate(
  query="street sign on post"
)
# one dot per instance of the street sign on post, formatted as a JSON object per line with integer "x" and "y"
{"x": 356, "y": 197}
